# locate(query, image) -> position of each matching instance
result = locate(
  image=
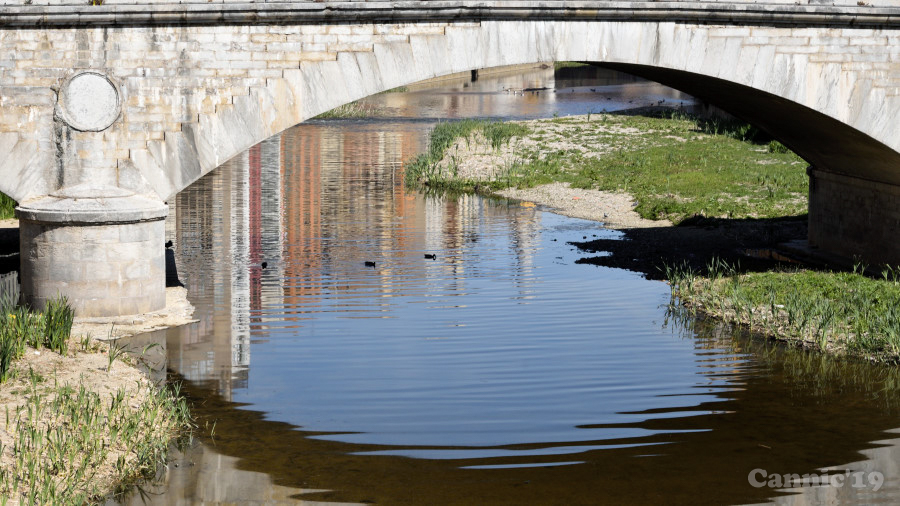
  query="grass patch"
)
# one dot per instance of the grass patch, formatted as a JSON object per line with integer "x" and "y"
{"x": 20, "y": 328}
{"x": 838, "y": 312}
{"x": 692, "y": 168}
{"x": 427, "y": 168}
{"x": 359, "y": 109}
{"x": 7, "y": 207}
{"x": 64, "y": 435}
{"x": 568, "y": 64}
{"x": 352, "y": 110}
{"x": 398, "y": 89}
{"x": 72, "y": 442}
{"x": 677, "y": 167}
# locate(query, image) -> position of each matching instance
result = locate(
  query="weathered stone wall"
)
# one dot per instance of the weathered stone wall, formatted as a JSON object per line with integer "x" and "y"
{"x": 105, "y": 269}
{"x": 193, "y": 97}
{"x": 849, "y": 215}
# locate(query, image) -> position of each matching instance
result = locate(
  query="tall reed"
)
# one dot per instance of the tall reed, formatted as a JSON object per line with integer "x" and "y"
{"x": 20, "y": 328}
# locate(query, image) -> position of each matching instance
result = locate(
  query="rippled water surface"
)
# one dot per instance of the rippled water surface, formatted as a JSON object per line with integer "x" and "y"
{"x": 496, "y": 372}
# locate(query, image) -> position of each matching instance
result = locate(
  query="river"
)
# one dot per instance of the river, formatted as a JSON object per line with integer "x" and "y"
{"x": 360, "y": 343}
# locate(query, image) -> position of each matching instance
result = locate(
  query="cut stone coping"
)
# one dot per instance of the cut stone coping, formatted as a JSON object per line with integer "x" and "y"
{"x": 197, "y": 13}
{"x": 109, "y": 208}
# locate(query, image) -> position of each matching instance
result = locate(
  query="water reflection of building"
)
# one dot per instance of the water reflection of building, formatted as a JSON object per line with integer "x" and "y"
{"x": 223, "y": 229}
{"x": 314, "y": 203}
{"x": 302, "y": 172}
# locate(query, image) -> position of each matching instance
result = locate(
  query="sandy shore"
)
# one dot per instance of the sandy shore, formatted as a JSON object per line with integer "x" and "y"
{"x": 76, "y": 369}
{"x": 87, "y": 364}
{"x": 614, "y": 210}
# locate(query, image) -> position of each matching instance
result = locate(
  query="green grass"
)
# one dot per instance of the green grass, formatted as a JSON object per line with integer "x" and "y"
{"x": 19, "y": 328}
{"x": 842, "y": 312}
{"x": 64, "y": 433}
{"x": 7, "y": 207}
{"x": 675, "y": 166}
{"x": 566, "y": 64}
{"x": 398, "y": 89}
{"x": 356, "y": 109}
{"x": 680, "y": 167}
{"x": 712, "y": 176}
{"x": 425, "y": 169}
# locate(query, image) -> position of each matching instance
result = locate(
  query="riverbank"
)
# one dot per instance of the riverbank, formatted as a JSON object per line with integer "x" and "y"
{"x": 728, "y": 194}
{"x": 80, "y": 426}
{"x": 840, "y": 313}
{"x": 82, "y": 421}
{"x": 362, "y": 108}
{"x": 690, "y": 196}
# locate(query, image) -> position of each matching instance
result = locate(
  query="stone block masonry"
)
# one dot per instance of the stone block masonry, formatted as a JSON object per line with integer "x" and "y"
{"x": 846, "y": 213}
{"x": 105, "y": 255}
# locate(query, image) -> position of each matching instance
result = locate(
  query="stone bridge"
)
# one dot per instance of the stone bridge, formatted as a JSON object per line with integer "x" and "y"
{"x": 107, "y": 111}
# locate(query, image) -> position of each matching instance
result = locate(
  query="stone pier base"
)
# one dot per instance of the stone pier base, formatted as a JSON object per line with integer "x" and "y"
{"x": 106, "y": 254}
{"x": 855, "y": 218}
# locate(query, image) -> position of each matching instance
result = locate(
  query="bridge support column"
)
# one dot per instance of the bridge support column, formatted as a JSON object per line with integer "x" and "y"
{"x": 854, "y": 218}
{"x": 101, "y": 248}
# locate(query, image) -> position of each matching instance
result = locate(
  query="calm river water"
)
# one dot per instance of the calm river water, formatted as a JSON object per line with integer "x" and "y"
{"x": 497, "y": 372}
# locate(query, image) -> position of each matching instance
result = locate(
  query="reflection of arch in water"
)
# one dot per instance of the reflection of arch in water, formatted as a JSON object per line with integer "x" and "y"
{"x": 706, "y": 452}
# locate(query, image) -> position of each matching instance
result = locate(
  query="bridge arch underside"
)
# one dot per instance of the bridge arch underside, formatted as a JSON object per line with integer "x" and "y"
{"x": 854, "y": 195}
{"x": 192, "y": 97}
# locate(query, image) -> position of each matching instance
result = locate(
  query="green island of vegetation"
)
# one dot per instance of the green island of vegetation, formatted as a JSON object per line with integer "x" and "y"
{"x": 690, "y": 171}
{"x": 358, "y": 109}
{"x": 79, "y": 425}
{"x": 675, "y": 166}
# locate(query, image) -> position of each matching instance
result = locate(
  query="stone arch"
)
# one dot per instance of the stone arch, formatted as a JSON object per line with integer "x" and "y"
{"x": 835, "y": 116}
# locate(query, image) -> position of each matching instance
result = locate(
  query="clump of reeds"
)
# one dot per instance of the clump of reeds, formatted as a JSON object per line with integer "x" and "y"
{"x": 426, "y": 169}
{"x": 351, "y": 110}
{"x": 58, "y": 317}
{"x": 20, "y": 328}
{"x": 65, "y": 434}
{"x": 833, "y": 311}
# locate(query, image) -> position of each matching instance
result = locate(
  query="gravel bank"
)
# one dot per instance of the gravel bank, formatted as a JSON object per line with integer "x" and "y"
{"x": 614, "y": 210}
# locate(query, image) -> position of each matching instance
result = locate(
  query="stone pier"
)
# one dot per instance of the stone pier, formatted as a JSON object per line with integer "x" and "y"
{"x": 855, "y": 218}
{"x": 100, "y": 247}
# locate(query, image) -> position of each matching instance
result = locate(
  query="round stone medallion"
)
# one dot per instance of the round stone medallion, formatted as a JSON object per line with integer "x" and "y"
{"x": 90, "y": 102}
